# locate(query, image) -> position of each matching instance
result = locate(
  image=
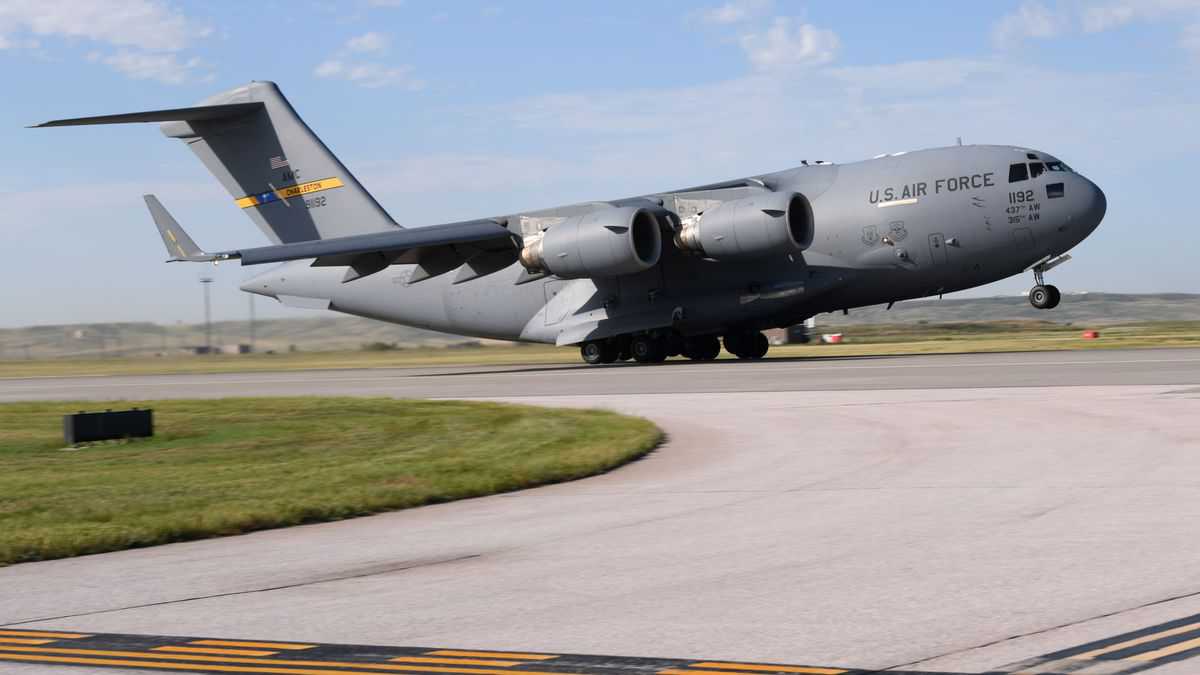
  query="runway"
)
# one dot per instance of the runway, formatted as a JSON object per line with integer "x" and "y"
{"x": 976, "y": 513}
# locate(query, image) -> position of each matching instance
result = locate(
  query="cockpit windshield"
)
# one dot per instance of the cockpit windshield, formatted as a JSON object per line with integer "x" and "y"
{"x": 1023, "y": 171}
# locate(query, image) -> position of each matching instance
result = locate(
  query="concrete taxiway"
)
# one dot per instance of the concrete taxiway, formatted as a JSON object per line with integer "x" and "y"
{"x": 959, "y": 513}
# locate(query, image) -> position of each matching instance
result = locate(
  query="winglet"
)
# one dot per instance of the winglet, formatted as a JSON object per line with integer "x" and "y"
{"x": 179, "y": 245}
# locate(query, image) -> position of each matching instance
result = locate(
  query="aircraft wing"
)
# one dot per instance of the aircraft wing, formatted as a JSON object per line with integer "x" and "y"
{"x": 433, "y": 247}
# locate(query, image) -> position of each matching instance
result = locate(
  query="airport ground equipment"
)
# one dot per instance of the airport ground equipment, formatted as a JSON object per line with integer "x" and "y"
{"x": 679, "y": 272}
{"x": 109, "y": 425}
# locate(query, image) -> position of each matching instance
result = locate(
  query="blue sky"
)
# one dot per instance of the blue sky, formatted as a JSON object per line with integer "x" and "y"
{"x": 456, "y": 110}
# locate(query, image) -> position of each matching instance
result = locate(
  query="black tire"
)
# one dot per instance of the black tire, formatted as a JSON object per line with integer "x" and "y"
{"x": 648, "y": 349}
{"x": 758, "y": 346}
{"x": 705, "y": 348}
{"x": 592, "y": 352}
{"x": 1039, "y": 297}
{"x": 734, "y": 344}
{"x": 1055, "y": 297}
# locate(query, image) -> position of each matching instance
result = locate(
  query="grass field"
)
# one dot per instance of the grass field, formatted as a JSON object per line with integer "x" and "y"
{"x": 230, "y": 466}
{"x": 903, "y": 338}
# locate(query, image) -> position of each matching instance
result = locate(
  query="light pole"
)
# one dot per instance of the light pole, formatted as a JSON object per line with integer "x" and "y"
{"x": 206, "y": 282}
{"x": 252, "y": 349}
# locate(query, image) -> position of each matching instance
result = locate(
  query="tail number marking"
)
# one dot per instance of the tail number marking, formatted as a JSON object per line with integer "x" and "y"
{"x": 290, "y": 191}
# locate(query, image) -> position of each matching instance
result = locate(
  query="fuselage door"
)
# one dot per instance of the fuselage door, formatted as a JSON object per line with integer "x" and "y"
{"x": 937, "y": 249}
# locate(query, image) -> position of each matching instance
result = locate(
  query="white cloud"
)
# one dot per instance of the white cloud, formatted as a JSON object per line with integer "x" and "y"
{"x": 144, "y": 24}
{"x": 1191, "y": 39}
{"x": 165, "y": 68}
{"x": 147, "y": 33}
{"x": 345, "y": 64}
{"x": 368, "y": 43}
{"x": 1031, "y": 20}
{"x": 788, "y": 42}
{"x": 1109, "y": 15}
{"x": 1035, "y": 20}
{"x": 369, "y": 75}
{"x": 735, "y": 11}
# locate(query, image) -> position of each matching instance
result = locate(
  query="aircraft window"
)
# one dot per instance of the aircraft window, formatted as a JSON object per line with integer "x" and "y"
{"x": 1018, "y": 173}
{"x": 1054, "y": 166}
{"x": 1055, "y": 191}
{"x": 1036, "y": 169}
{"x": 1030, "y": 155}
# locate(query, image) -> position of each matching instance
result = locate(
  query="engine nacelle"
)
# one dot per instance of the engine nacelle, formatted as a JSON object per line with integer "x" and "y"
{"x": 607, "y": 242}
{"x": 774, "y": 222}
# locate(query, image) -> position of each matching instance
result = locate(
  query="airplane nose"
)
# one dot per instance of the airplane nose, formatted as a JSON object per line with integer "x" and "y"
{"x": 1096, "y": 206}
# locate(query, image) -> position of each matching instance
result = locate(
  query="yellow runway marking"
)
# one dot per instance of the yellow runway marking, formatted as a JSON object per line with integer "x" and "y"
{"x": 214, "y": 650}
{"x": 23, "y": 641}
{"x": 1137, "y": 641}
{"x": 457, "y": 662}
{"x": 768, "y": 668}
{"x": 208, "y": 667}
{"x": 1166, "y": 651}
{"x": 498, "y": 655}
{"x": 42, "y": 634}
{"x": 9, "y": 652}
{"x": 243, "y": 643}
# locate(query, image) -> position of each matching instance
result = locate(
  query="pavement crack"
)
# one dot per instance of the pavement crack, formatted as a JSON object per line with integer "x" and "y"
{"x": 1040, "y": 631}
{"x": 373, "y": 571}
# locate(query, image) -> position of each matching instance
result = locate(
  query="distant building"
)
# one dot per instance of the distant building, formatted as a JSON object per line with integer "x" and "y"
{"x": 794, "y": 335}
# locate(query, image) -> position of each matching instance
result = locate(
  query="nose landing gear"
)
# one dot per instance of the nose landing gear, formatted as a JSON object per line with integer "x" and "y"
{"x": 1043, "y": 295}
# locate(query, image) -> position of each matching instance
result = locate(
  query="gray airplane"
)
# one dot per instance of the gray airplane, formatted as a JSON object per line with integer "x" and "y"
{"x": 664, "y": 274}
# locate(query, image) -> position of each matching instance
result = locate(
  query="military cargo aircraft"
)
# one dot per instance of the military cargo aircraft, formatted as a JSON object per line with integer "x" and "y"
{"x": 679, "y": 272}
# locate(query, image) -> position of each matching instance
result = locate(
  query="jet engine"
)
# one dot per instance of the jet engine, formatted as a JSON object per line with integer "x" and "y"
{"x": 774, "y": 222}
{"x": 606, "y": 242}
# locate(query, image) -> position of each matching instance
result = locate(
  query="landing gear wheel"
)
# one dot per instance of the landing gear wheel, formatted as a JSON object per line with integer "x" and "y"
{"x": 759, "y": 346}
{"x": 598, "y": 351}
{"x": 747, "y": 345}
{"x": 648, "y": 349}
{"x": 734, "y": 344}
{"x": 1044, "y": 297}
{"x": 1055, "y": 297}
{"x": 706, "y": 348}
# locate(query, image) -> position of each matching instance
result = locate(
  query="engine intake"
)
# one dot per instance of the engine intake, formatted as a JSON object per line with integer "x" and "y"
{"x": 607, "y": 242}
{"x": 776, "y": 222}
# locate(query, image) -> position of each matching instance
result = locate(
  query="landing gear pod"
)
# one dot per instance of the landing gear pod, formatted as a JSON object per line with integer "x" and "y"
{"x": 776, "y": 222}
{"x": 607, "y": 242}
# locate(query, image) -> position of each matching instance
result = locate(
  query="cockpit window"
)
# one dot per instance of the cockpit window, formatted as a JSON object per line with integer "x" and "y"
{"x": 1058, "y": 166}
{"x": 1018, "y": 173}
{"x": 1036, "y": 169}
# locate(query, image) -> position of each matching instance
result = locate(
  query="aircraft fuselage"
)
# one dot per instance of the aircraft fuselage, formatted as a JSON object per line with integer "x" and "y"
{"x": 887, "y": 229}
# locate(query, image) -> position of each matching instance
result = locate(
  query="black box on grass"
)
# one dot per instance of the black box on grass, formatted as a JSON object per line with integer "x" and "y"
{"x": 85, "y": 427}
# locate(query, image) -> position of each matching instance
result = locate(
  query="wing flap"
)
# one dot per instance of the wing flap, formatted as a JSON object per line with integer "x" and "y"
{"x": 347, "y": 248}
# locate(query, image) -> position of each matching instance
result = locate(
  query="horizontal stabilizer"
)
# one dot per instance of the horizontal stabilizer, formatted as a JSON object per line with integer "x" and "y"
{"x": 179, "y": 245}
{"x": 196, "y": 114}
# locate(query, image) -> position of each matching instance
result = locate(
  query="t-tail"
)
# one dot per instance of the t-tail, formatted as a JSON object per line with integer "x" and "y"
{"x": 272, "y": 164}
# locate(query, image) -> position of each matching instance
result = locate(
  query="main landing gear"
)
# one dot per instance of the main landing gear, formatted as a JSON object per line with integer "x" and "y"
{"x": 656, "y": 347}
{"x": 752, "y": 345}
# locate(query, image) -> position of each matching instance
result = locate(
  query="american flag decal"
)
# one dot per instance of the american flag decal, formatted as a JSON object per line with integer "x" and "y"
{"x": 278, "y": 162}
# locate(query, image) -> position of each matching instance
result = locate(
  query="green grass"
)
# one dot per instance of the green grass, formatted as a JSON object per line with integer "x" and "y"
{"x": 224, "y": 467}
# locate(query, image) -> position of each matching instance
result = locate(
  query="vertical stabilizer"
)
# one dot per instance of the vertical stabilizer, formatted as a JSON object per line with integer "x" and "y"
{"x": 277, "y": 170}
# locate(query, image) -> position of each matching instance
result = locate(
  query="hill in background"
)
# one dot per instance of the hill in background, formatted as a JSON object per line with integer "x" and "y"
{"x": 335, "y": 332}
{"x": 1092, "y": 309}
